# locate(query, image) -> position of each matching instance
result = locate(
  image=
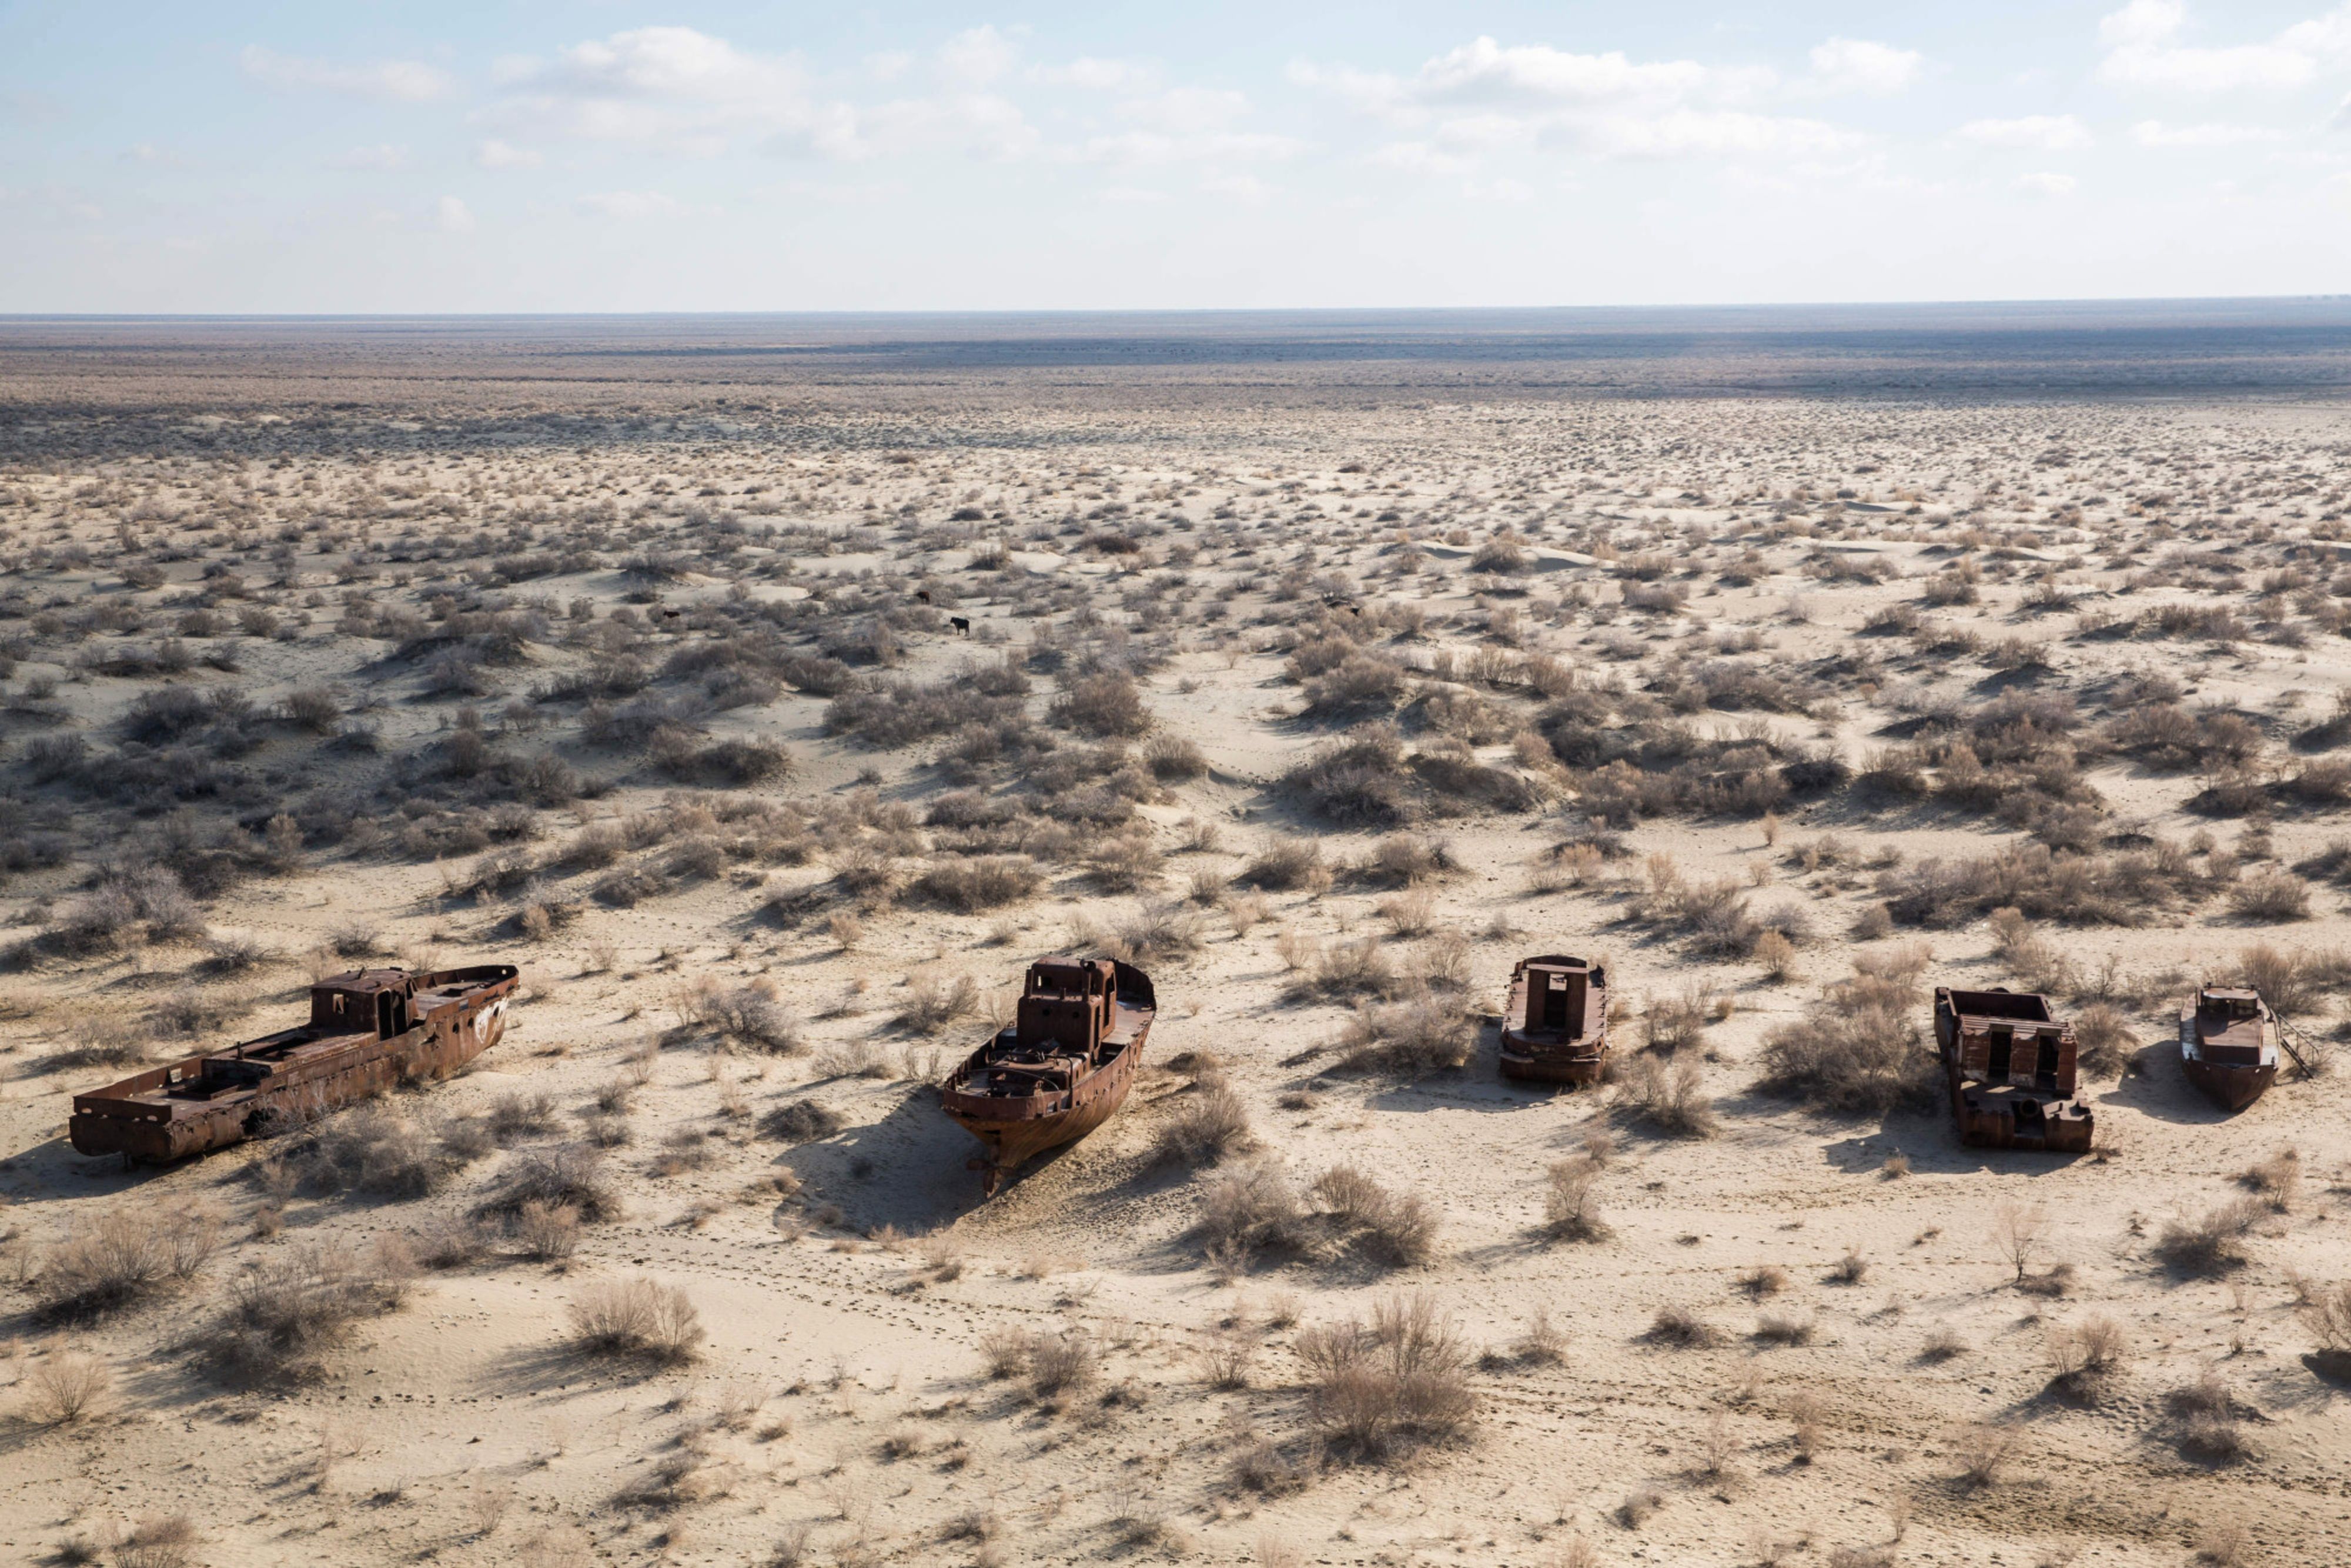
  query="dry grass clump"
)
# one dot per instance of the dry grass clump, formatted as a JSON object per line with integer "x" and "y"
{"x": 2103, "y": 1042}
{"x": 1289, "y": 865}
{"x": 564, "y": 1175}
{"x": 1420, "y": 1035}
{"x": 1571, "y": 1209}
{"x": 2084, "y": 1356}
{"x": 1669, "y": 1098}
{"x": 159, "y": 1540}
{"x": 1249, "y": 1208}
{"x": 2327, "y": 1313}
{"x": 2275, "y": 1180}
{"x": 64, "y": 1385}
{"x": 800, "y": 1122}
{"x": 2211, "y": 1244}
{"x": 1402, "y": 1376}
{"x": 288, "y": 1312}
{"x": 384, "y": 1153}
{"x": 1859, "y": 1052}
{"x": 2205, "y": 1421}
{"x": 1212, "y": 1123}
{"x": 638, "y": 1319}
{"x": 2270, "y": 897}
{"x": 1984, "y": 1450}
{"x": 982, "y": 882}
{"x": 1395, "y": 1229}
{"x": 752, "y": 1015}
{"x": 124, "y": 1257}
{"x": 1682, "y": 1329}
{"x": 935, "y": 1000}
{"x": 1174, "y": 760}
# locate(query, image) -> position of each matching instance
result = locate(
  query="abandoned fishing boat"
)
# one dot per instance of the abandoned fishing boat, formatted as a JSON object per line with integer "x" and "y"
{"x": 1555, "y": 1025}
{"x": 368, "y": 1029}
{"x": 2011, "y": 1071}
{"x": 1059, "y": 1069}
{"x": 2229, "y": 1041}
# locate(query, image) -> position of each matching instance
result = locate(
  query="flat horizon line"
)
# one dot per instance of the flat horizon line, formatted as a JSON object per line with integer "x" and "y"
{"x": 1015, "y": 312}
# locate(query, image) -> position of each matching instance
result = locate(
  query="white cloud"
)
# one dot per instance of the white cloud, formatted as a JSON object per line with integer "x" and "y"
{"x": 2155, "y": 133}
{"x": 1247, "y": 189}
{"x": 1504, "y": 190}
{"x": 148, "y": 152}
{"x": 2144, "y": 50}
{"x": 2047, "y": 183}
{"x": 1133, "y": 195}
{"x": 2048, "y": 132}
{"x": 493, "y": 153}
{"x": 685, "y": 91}
{"x": 408, "y": 81}
{"x": 381, "y": 157}
{"x": 453, "y": 216}
{"x": 1092, "y": 75}
{"x": 1684, "y": 132}
{"x": 1186, "y": 109}
{"x": 629, "y": 205}
{"x": 1158, "y": 147}
{"x": 1484, "y": 70}
{"x": 1484, "y": 95}
{"x": 1857, "y": 65}
{"x": 978, "y": 54}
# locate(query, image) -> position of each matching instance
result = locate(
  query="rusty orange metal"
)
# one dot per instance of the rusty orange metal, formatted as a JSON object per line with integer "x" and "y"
{"x": 2011, "y": 1066}
{"x": 1555, "y": 1025}
{"x": 368, "y": 1029}
{"x": 1061, "y": 1069}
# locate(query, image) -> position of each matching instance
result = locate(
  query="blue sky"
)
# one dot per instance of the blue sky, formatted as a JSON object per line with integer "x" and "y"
{"x": 607, "y": 155}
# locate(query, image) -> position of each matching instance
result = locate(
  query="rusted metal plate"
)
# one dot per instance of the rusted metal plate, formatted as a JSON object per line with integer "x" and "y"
{"x": 1061, "y": 1069}
{"x": 1555, "y": 1024}
{"x": 369, "y": 1030}
{"x": 2011, "y": 1069}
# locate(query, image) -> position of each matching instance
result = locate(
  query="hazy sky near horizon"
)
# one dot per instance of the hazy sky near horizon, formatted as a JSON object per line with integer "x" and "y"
{"x": 609, "y": 155}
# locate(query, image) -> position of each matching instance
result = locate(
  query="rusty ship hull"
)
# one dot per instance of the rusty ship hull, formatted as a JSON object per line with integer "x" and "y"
{"x": 1073, "y": 1086}
{"x": 2011, "y": 1069}
{"x": 370, "y": 1031}
{"x": 1562, "y": 1041}
{"x": 2228, "y": 1045}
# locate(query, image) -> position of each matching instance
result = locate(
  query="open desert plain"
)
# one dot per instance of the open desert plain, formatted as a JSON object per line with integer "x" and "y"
{"x": 772, "y": 693}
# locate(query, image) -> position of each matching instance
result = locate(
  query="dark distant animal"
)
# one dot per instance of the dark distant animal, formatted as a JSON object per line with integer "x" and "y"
{"x": 1332, "y": 602}
{"x": 924, "y": 594}
{"x": 960, "y": 622}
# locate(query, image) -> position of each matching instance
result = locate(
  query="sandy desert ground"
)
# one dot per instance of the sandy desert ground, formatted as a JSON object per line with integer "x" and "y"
{"x": 1321, "y": 694}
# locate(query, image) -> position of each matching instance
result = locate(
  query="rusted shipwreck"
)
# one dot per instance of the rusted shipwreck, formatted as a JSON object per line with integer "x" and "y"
{"x": 1059, "y": 1069}
{"x": 2229, "y": 1044}
{"x": 368, "y": 1029}
{"x": 2011, "y": 1071}
{"x": 1555, "y": 1025}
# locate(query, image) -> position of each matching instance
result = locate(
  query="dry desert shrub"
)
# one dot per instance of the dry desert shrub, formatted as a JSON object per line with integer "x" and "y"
{"x": 1402, "y": 1376}
{"x": 1395, "y": 1229}
{"x": 935, "y": 1000}
{"x": 1174, "y": 760}
{"x": 2211, "y": 1244}
{"x": 1420, "y": 1035}
{"x": 1571, "y": 1209}
{"x": 286, "y": 1312}
{"x": 2270, "y": 897}
{"x": 1860, "y": 1052}
{"x": 64, "y": 1385}
{"x": 159, "y": 1541}
{"x": 1212, "y": 1123}
{"x": 1984, "y": 1450}
{"x": 1682, "y": 1329}
{"x": 800, "y": 1122}
{"x": 564, "y": 1176}
{"x": 1251, "y": 1206}
{"x": 983, "y": 882}
{"x": 1288, "y": 865}
{"x": 122, "y": 1258}
{"x": 1668, "y": 1098}
{"x": 751, "y": 1015}
{"x": 639, "y": 1318}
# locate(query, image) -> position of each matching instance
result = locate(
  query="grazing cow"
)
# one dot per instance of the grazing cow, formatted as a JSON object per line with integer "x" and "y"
{"x": 960, "y": 622}
{"x": 924, "y": 594}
